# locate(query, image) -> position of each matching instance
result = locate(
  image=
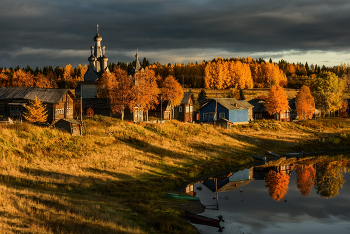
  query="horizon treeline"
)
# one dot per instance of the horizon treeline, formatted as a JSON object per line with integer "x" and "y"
{"x": 219, "y": 73}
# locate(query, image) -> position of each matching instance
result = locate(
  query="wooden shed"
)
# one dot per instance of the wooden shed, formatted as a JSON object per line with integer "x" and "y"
{"x": 70, "y": 125}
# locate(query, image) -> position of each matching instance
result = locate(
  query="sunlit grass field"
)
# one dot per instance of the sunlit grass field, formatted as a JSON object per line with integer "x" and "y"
{"x": 114, "y": 179}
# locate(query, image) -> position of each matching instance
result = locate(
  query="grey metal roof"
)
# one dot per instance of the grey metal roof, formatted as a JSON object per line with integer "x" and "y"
{"x": 29, "y": 93}
{"x": 233, "y": 104}
{"x": 186, "y": 98}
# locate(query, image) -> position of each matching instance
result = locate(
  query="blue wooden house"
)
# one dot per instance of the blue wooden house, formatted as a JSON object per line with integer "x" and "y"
{"x": 233, "y": 110}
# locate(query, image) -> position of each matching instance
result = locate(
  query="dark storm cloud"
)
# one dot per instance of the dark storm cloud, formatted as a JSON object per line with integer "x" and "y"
{"x": 62, "y": 31}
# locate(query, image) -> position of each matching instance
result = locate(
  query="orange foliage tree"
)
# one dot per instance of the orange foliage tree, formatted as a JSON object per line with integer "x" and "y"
{"x": 277, "y": 183}
{"x": 172, "y": 91}
{"x": 21, "y": 78}
{"x": 4, "y": 79}
{"x": 276, "y": 101}
{"x": 329, "y": 178}
{"x": 144, "y": 92}
{"x": 342, "y": 112}
{"x": 305, "y": 103}
{"x": 35, "y": 111}
{"x": 41, "y": 81}
{"x": 306, "y": 175}
{"x": 119, "y": 95}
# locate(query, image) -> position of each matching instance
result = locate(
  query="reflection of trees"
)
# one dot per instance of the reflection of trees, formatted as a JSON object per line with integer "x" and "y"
{"x": 306, "y": 175}
{"x": 277, "y": 183}
{"x": 329, "y": 178}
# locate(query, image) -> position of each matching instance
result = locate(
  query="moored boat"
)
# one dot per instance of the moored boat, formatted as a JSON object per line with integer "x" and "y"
{"x": 182, "y": 197}
{"x": 203, "y": 220}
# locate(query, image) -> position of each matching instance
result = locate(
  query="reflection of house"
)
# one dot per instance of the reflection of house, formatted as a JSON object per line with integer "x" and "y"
{"x": 184, "y": 112}
{"x": 59, "y": 102}
{"x": 231, "y": 109}
{"x": 260, "y": 111}
{"x": 231, "y": 182}
{"x": 260, "y": 172}
{"x": 190, "y": 190}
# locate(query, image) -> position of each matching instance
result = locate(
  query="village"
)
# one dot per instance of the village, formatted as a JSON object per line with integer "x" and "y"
{"x": 95, "y": 96}
{"x": 132, "y": 151}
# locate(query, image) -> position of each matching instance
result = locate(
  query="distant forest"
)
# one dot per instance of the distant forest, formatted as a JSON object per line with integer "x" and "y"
{"x": 219, "y": 73}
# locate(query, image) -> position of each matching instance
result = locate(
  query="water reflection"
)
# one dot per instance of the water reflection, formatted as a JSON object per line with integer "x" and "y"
{"x": 280, "y": 197}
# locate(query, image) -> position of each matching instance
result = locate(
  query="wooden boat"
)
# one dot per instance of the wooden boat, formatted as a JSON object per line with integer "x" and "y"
{"x": 182, "y": 197}
{"x": 295, "y": 154}
{"x": 203, "y": 220}
{"x": 257, "y": 157}
{"x": 273, "y": 154}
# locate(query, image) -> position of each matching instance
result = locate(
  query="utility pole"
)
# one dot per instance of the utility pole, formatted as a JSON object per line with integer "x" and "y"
{"x": 161, "y": 107}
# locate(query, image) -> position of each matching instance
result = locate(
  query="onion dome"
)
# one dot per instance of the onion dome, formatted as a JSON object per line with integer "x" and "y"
{"x": 92, "y": 58}
{"x": 97, "y": 37}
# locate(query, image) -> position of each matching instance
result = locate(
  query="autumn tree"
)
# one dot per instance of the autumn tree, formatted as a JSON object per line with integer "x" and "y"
{"x": 305, "y": 103}
{"x": 90, "y": 112}
{"x": 306, "y": 175}
{"x": 276, "y": 101}
{"x": 21, "y": 78}
{"x": 4, "y": 79}
{"x": 144, "y": 92}
{"x": 234, "y": 93}
{"x": 328, "y": 91}
{"x": 172, "y": 91}
{"x": 119, "y": 94}
{"x": 35, "y": 111}
{"x": 342, "y": 112}
{"x": 41, "y": 81}
{"x": 329, "y": 178}
{"x": 277, "y": 183}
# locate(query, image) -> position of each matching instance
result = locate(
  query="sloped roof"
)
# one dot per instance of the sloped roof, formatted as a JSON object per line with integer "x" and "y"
{"x": 29, "y": 93}
{"x": 232, "y": 103}
{"x": 259, "y": 105}
{"x": 186, "y": 98}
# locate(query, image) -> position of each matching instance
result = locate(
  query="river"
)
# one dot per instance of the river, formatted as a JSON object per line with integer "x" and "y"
{"x": 289, "y": 196}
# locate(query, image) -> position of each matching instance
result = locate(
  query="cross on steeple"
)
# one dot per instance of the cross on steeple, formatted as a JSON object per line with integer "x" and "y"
{"x": 137, "y": 56}
{"x": 97, "y": 29}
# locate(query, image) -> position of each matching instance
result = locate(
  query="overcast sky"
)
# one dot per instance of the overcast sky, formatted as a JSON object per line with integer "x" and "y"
{"x": 59, "y": 32}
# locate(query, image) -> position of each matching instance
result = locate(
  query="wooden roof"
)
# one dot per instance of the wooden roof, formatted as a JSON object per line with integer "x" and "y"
{"x": 186, "y": 98}
{"x": 29, "y": 93}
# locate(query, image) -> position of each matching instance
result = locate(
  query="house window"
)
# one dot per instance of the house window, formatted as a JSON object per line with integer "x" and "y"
{"x": 180, "y": 108}
{"x": 187, "y": 109}
{"x": 260, "y": 116}
{"x": 221, "y": 115}
{"x": 205, "y": 116}
{"x": 191, "y": 108}
{"x": 211, "y": 116}
{"x": 256, "y": 116}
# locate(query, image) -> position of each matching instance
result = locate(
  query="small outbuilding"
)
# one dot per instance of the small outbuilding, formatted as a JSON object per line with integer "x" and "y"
{"x": 70, "y": 125}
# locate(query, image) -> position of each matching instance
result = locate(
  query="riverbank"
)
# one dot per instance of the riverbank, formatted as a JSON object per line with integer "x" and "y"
{"x": 114, "y": 179}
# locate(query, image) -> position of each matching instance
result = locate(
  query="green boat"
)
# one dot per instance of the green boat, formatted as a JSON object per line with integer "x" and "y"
{"x": 182, "y": 197}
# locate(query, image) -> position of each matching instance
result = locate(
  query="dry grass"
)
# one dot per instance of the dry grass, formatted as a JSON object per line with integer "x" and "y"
{"x": 51, "y": 182}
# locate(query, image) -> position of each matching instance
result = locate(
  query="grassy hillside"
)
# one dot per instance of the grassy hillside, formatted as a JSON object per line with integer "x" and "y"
{"x": 114, "y": 179}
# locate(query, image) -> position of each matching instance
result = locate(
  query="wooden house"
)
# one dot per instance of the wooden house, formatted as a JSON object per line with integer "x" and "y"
{"x": 231, "y": 109}
{"x": 260, "y": 112}
{"x": 59, "y": 102}
{"x": 184, "y": 112}
{"x": 163, "y": 108}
